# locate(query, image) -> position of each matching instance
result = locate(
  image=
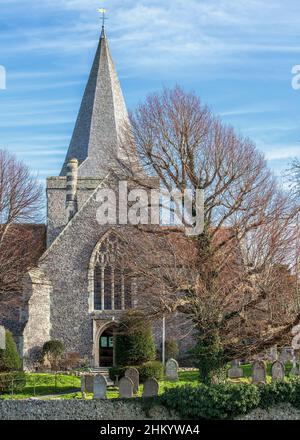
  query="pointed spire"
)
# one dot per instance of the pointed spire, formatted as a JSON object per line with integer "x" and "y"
{"x": 101, "y": 117}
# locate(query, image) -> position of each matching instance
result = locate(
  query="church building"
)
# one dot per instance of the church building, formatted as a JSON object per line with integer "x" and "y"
{"x": 76, "y": 294}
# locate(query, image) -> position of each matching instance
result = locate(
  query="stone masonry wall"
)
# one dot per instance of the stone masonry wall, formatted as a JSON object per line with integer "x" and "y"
{"x": 35, "y": 315}
{"x": 65, "y": 264}
{"x": 81, "y": 410}
{"x": 56, "y": 202}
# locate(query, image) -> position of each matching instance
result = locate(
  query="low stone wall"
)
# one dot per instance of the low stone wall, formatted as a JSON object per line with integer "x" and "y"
{"x": 279, "y": 412}
{"x": 115, "y": 410}
{"x": 81, "y": 410}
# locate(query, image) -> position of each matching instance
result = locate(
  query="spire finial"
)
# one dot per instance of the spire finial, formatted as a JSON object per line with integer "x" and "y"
{"x": 103, "y": 12}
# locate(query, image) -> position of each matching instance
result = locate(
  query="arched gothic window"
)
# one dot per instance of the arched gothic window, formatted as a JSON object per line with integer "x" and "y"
{"x": 114, "y": 289}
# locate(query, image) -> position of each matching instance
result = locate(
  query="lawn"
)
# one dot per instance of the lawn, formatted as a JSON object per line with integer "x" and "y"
{"x": 49, "y": 385}
{"x": 68, "y": 387}
{"x": 46, "y": 384}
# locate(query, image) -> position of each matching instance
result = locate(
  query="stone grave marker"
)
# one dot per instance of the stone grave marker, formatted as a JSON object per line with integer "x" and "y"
{"x": 133, "y": 374}
{"x": 286, "y": 354}
{"x": 83, "y": 387}
{"x": 151, "y": 388}
{"x": 2, "y": 338}
{"x": 235, "y": 372}
{"x": 258, "y": 373}
{"x": 296, "y": 338}
{"x": 273, "y": 354}
{"x": 89, "y": 383}
{"x": 125, "y": 388}
{"x": 100, "y": 387}
{"x": 172, "y": 369}
{"x": 295, "y": 371}
{"x": 277, "y": 371}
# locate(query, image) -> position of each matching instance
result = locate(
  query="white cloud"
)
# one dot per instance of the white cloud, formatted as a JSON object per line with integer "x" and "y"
{"x": 149, "y": 39}
{"x": 158, "y": 30}
{"x": 281, "y": 151}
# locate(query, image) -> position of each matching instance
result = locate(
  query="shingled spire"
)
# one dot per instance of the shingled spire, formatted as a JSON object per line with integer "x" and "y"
{"x": 101, "y": 118}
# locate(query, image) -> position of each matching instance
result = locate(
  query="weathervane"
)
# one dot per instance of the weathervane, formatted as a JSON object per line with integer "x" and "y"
{"x": 103, "y": 12}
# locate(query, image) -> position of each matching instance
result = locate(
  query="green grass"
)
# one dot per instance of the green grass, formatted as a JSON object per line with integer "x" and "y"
{"x": 44, "y": 385}
{"x": 68, "y": 387}
{"x": 247, "y": 368}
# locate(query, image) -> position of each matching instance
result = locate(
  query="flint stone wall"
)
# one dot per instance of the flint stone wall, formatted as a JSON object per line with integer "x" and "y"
{"x": 61, "y": 298}
{"x": 81, "y": 410}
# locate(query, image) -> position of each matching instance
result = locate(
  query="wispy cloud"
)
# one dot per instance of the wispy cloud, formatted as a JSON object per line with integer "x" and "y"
{"x": 281, "y": 151}
{"x": 236, "y": 54}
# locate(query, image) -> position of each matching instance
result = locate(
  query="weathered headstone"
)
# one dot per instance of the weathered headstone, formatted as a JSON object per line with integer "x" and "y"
{"x": 100, "y": 387}
{"x": 277, "y": 371}
{"x": 286, "y": 355}
{"x": 89, "y": 383}
{"x": 2, "y": 338}
{"x": 83, "y": 387}
{"x": 259, "y": 372}
{"x": 295, "y": 371}
{"x": 273, "y": 354}
{"x": 172, "y": 369}
{"x": 151, "y": 388}
{"x": 133, "y": 374}
{"x": 235, "y": 372}
{"x": 296, "y": 337}
{"x": 125, "y": 388}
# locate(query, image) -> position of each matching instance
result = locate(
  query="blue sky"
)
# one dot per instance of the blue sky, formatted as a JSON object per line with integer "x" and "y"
{"x": 236, "y": 54}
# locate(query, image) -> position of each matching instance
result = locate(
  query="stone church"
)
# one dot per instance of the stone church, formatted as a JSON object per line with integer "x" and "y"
{"x": 75, "y": 294}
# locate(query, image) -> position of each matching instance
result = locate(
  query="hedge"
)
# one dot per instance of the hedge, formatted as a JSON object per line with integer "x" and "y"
{"x": 226, "y": 401}
{"x": 151, "y": 369}
{"x": 281, "y": 392}
{"x": 134, "y": 343}
{"x": 223, "y": 401}
{"x": 16, "y": 379}
{"x": 9, "y": 358}
{"x": 53, "y": 348}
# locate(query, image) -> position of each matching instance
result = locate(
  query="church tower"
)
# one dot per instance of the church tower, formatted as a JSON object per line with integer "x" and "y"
{"x": 77, "y": 293}
{"x": 96, "y": 142}
{"x": 101, "y": 118}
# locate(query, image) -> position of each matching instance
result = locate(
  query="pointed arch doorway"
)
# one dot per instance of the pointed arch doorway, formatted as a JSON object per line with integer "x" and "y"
{"x": 105, "y": 346}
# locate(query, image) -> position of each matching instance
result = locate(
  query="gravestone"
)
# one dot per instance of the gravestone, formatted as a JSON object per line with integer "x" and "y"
{"x": 125, "y": 388}
{"x": 258, "y": 372}
{"x": 286, "y": 354}
{"x": 89, "y": 383}
{"x": 235, "y": 363}
{"x": 83, "y": 387}
{"x": 172, "y": 369}
{"x": 100, "y": 387}
{"x": 2, "y": 338}
{"x": 235, "y": 372}
{"x": 277, "y": 371}
{"x": 134, "y": 375}
{"x": 296, "y": 337}
{"x": 295, "y": 371}
{"x": 273, "y": 354}
{"x": 151, "y": 388}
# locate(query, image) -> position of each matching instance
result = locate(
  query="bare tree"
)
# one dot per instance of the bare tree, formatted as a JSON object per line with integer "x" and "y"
{"x": 234, "y": 281}
{"x": 294, "y": 176}
{"x": 20, "y": 205}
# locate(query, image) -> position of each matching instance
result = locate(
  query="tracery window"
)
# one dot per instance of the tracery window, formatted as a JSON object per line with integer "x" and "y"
{"x": 114, "y": 289}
